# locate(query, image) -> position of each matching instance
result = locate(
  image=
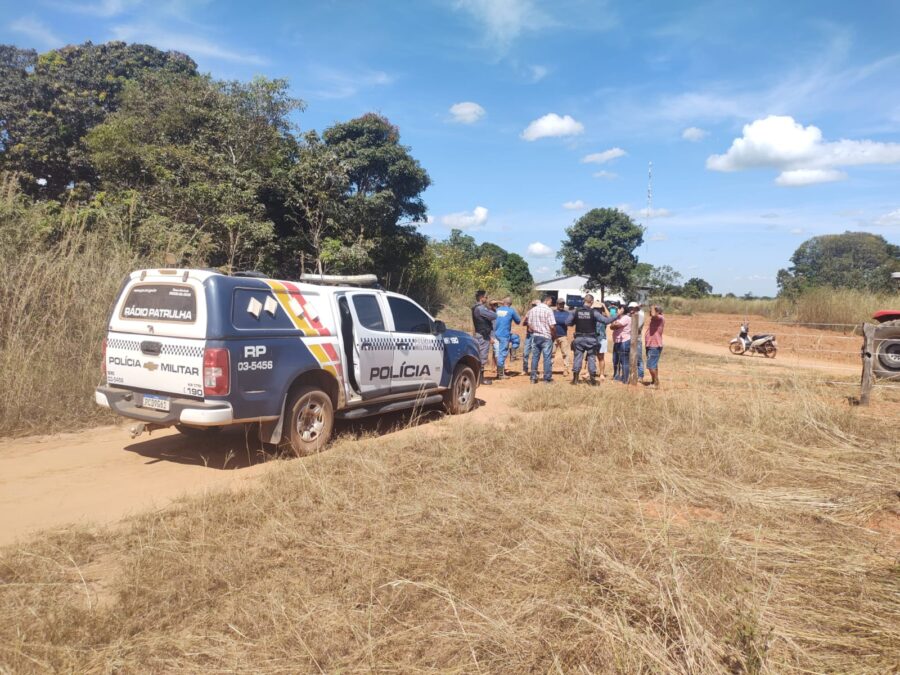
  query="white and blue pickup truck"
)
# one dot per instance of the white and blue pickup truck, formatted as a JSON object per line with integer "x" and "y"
{"x": 200, "y": 350}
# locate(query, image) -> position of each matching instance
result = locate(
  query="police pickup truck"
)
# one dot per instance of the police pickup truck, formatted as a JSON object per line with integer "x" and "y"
{"x": 200, "y": 350}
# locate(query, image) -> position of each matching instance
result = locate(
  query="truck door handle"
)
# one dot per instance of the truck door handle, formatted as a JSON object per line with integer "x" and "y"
{"x": 151, "y": 348}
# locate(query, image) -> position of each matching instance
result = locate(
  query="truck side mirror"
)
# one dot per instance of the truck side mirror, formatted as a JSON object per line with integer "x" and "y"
{"x": 439, "y": 327}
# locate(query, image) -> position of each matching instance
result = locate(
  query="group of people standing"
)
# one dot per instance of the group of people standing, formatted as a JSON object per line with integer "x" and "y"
{"x": 547, "y": 332}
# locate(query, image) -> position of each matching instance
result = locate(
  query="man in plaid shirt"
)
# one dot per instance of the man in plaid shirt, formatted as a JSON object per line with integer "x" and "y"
{"x": 542, "y": 323}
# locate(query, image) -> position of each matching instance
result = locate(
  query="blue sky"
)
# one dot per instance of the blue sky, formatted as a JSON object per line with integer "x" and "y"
{"x": 766, "y": 122}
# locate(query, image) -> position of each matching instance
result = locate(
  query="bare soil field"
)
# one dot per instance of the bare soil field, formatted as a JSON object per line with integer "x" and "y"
{"x": 743, "y": 518}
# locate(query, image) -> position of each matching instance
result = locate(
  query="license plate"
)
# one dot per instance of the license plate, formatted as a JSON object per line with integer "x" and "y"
{"x": 155, "y": 402}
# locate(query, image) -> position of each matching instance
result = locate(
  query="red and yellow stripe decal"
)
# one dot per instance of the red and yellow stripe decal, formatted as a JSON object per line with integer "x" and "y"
{"x": 302, "y": 313}
{"x": 327, "y": 357}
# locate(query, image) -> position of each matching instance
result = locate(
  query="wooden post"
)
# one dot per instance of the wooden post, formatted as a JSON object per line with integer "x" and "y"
{"x": 633, "y": 352}
{"x": 868, "y": 354}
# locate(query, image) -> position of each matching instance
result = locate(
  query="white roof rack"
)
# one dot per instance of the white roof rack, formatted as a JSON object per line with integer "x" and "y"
{"x": 340, "y": 279}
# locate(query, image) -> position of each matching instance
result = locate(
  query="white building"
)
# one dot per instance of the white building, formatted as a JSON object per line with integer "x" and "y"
{"x": 573, "y": 288}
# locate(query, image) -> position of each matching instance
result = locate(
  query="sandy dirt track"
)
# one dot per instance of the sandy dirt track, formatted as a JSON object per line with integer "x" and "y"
{"x": 100, "y": 476}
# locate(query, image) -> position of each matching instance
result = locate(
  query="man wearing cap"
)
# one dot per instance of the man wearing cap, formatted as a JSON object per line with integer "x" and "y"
{"x": 483, "y": 324}
{"x": 562, "y": 328}
{"x": 586, "y": 319}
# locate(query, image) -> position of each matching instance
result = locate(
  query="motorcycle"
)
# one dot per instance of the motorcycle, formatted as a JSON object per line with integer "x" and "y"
{"x": 758, "y": 344}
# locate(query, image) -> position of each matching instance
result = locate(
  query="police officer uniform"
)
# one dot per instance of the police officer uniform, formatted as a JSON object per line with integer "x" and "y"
{"x": 586, "y": 342}
{"x": 482, "y": 322}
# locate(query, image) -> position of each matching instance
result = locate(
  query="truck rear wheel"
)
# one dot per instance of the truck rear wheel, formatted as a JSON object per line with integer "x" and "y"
{"x": 886, "y": 363}
{"x": 460, "y": 398}
{"x": 309, "y": 421}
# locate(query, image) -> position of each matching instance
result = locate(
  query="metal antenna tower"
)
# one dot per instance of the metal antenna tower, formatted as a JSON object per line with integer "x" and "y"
{"x": 649, "y": 201}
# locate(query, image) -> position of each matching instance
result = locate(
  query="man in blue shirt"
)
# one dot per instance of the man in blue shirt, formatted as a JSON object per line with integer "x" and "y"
{"x": 506, "y": 315}
{"x": 562, "y": 328}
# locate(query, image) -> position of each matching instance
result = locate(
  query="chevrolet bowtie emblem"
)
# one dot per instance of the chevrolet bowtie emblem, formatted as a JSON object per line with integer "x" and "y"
{"x": 149, "y": 365}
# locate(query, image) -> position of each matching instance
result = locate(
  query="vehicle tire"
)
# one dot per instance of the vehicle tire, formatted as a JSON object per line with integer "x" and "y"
{"x": 770, "y": 350}
{"x": 886, "y": 361}
{"x": 309, "y": 421}
{"x": 197, "y": 432}
{"x": 736, "y": 348}
{"x": 460, "y": 398}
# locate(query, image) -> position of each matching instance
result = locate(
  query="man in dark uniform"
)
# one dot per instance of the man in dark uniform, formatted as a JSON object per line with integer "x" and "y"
{"x": 585, "y": 319}
{"x": 483, "y": 323}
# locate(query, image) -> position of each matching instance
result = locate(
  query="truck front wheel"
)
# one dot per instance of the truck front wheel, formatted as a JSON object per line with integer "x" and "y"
{"x": 460, "y": 398}
{"x": 310, "y": 421}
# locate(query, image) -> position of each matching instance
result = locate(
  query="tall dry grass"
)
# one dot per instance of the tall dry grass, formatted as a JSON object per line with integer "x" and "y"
{"x": 61, "y": 268}
{"x": 703, "y": 528}
{"x": 815, "y": 306}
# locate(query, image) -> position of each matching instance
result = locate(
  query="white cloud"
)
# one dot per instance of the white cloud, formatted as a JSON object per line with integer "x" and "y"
{"x": 608, "y": 175}
{"x": 36, "y": 30}
{"x": 538, "y": 250}
{"x": 552, "y": 125}
{"x": 801, "y": 154}
{"x": 336, "y": 84}
{"x": 654, "y": 213}
{"x": 103, "y": 9}
{"x": 466, "y": 112}
{"x": 465, "y": 220}
{"x": 576, "y": 205}
{"x": 659, "y": 236}
{"x": 889, "y": 219}
{"x": 538, "y": 73}
{"x": 694, "y": 134}
{"x": 797, "y": 230}
{"x": 603, "y": 157}
{"x": 189, "y": 43}
{"x": 429, "y": 220}
{"x": 802, "y": 177}
{"x": 504, "y": 20}
{"x": 543, "y": 270}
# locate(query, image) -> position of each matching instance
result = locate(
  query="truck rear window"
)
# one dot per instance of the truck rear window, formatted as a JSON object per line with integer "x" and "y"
{"x": 160, "y": 302}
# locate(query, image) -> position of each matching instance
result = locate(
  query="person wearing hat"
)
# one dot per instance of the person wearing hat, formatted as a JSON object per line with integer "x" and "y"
{"x": 586, "y": 319}
{"x": 637, "y": 311}
{"x": 562, "y": 327}
{"x": 621, "y": 328}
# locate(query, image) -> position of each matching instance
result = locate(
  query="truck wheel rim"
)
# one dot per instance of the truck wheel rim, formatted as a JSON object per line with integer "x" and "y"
{"x": 310, "y": 421}
{"x": 464, "y": 390}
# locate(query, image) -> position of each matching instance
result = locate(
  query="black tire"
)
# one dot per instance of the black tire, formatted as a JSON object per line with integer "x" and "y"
{"x": 770, "y": 350}
{"x": 460, "y": 398}
{"x": 198, "y": 432}
{"x": 309, "y": 421}
{"x": 886, "y": 361}
{"x": 736, "y": 348}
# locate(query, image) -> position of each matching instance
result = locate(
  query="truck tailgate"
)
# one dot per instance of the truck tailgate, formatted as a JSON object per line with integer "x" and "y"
{"x": 164, "y": 364}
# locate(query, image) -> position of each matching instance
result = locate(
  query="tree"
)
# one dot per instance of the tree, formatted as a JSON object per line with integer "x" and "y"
{"x": 601, "y": 246}
{"x": 48, "y": 103}
{"x": 385, "y": 195}
{"x": 695, "y": 287}
{"x": 194, "y": 155}
{"x": 516, "y": 275}
{"x": 663, "y": 280}
{"x": 497, "y": 254}
{"x": 857, "y": 260}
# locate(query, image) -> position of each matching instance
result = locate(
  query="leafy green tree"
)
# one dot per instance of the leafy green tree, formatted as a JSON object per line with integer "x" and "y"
{"x": 857, "y": 260}
{"x": 695, "y": 287}
{"x": 194, "y": 155}
{"x": 48, "y": 103}
{"x": 516, "y": 275}
{"x": 663, "y": 280}
{"x": 600, "y": 246}
{"x": 384, "y": 201}
{"x": 497, "y": 254}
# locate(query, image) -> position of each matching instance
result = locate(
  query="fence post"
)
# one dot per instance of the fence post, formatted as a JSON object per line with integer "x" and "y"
{"x": 633, "y": 352}
{"x": 868, "y": 352}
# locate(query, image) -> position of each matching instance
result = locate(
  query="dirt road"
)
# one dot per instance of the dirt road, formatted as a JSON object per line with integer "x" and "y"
{"x": 101, "y": 475}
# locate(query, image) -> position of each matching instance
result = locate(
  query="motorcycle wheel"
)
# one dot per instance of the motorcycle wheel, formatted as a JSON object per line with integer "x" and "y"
{"x": 770, "y": 350}
{"x": 736, "y": 348}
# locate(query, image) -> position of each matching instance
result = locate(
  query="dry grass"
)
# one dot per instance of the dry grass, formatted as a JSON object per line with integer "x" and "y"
{"x": 701, "y": 528}
{"x": 815, "y": 306}
{"x": 60, "y": 272}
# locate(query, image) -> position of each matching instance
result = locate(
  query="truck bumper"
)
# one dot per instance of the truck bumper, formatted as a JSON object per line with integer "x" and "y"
{"x": 181, "y": 410}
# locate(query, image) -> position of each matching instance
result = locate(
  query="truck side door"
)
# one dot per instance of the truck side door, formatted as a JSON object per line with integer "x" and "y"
{"x": 418, "y": 353}
{"x": 373, "y": 346}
